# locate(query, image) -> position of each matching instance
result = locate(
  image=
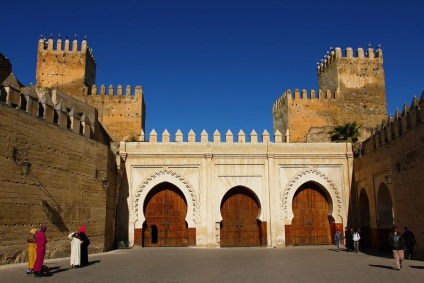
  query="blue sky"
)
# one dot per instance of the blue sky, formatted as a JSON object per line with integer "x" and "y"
{"x": 220, "y": 64}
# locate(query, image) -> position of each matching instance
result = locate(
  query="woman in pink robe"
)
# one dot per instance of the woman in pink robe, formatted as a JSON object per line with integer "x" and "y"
{"x": 40, "y": 239}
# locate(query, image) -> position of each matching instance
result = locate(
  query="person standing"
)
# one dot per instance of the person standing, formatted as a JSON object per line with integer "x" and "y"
{"x": 398, "y": 245}
{"x": 41, "y": 241}
{"x": 410, "y": 242}
{"x": 75, "y": 249}
{"x": 356, "y": 237}
{"x": 338, "y": 239}
{"x": 347, "y": 236}
{"x": 84, "y": 245}
{"x": 32, "y": 250}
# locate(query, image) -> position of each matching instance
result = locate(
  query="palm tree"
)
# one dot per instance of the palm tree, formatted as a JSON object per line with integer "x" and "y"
{"x": 345, "y": 133}
{"x": 348, "y": 133}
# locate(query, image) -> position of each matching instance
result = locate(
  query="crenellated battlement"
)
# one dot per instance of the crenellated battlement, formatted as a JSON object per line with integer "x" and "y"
{"x": 110, "y": 91}
{"x": 305, "y": 95}
{"x": 60, "y": 46}
{"x": 336, "y": 54}
{"x": 46, "y": 104}
{"x": 217, "y": 137}
{"x": 396, "y": 126}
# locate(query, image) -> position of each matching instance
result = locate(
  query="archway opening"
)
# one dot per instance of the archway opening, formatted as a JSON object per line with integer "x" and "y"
{"x": 240, "y": 226}
{"x": 312, "y": 218}
{"x": 364, "y": 222}
{"x": 165, "y": 210}
{"x": 385, "y": 217}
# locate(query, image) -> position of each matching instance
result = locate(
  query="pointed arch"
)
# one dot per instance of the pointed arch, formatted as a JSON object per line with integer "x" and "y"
{"x": 136, "y": 211}
{"x": 324, "y": 182}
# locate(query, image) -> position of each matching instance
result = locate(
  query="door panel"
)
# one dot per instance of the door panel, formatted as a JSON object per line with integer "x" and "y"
{"x": 239, "y": 211}
{"x": 165, "y": 207}
{"x": 310, "y": 225}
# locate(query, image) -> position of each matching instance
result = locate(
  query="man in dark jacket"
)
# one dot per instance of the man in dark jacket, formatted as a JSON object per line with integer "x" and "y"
{"x": 398, "y": 246}
{"x": 409, "y": 238}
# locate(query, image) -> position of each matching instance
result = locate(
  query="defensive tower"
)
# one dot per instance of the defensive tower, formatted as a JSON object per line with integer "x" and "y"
{"x": 64, "y": 67}
{"x": 359, "y": 81}
{"x": 351, "y": 89}
{"x": 72, "y": 71}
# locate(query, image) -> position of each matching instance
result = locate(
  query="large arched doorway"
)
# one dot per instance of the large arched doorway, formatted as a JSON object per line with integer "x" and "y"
{"x": 364, "y": 220}
{"x": 310, "y": 224}
{"x": 165, "y": 209}
{"x": 385, "y": 217}
{"x": 240, "y": 226}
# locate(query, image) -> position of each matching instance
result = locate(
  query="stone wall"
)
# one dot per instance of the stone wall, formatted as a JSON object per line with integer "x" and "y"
{"x": 393, "y": 160}
{"x": 61, "y": 189}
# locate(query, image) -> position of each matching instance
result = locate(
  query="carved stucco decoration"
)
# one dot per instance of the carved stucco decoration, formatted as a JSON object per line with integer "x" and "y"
{"x": 312, "y": 175}
{"x": 137, "y": 215}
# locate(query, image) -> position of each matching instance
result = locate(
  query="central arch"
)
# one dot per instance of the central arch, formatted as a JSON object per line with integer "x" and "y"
{"x": 240, "y": 226}
{"x": 311, "y": 221}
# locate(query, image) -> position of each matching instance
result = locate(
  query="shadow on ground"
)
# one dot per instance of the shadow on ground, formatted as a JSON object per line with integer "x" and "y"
{"x": 381, "y": 266}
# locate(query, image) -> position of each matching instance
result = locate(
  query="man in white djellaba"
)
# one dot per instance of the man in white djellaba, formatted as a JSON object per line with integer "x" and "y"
{"x": 75, "y": 249}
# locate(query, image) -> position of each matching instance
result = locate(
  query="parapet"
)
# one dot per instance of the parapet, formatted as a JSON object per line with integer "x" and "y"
{"x": 119, "y": 92}
{"x": 38, "y": 102}
{"x": 216, "y": 137}
{"x": 395, "y": 126}
{"x": 59, "y": 46}
{"x": 336, "y": 54}
{"x": 288, "y": 95}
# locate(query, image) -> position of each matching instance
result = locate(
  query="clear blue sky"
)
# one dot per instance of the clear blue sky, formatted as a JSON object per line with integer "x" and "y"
{"x": 220, "y": 64}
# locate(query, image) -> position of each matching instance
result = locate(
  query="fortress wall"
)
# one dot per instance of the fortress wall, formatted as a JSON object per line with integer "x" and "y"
{"x": 61, "y": 189}
{"x": 398, "y": 144}
{"x": 121, "y": 112}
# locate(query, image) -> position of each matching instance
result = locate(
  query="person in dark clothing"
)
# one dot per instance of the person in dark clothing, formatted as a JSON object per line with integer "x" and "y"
{"x": 349, "y": 239}
{"x": 84, "y": 246}
{"x": 410, "y": 242}
{"x": 398, "y": 246}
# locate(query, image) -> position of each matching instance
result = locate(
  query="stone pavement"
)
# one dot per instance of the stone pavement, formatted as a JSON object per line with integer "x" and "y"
{"x": 291, "y": 264}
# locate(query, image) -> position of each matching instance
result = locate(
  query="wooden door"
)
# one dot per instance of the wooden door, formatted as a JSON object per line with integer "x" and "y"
{"x": 239, "y": 210}
{"x": 310, "y": 225}
{"x": 165, "y": 211}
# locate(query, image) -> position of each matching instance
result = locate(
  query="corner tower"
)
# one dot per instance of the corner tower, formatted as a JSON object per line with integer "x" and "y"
{"x": 360, "y": 83}
{"x": 65, "y": 68}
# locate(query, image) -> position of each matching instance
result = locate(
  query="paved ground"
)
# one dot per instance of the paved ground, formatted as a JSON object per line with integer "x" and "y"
{"x": 292, "y": 264}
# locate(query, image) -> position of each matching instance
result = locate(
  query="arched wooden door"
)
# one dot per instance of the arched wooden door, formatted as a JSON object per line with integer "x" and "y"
{"x": 240, "y": 227}
{"x": 165, "y": 210}
{"x": 310, "y": 225}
